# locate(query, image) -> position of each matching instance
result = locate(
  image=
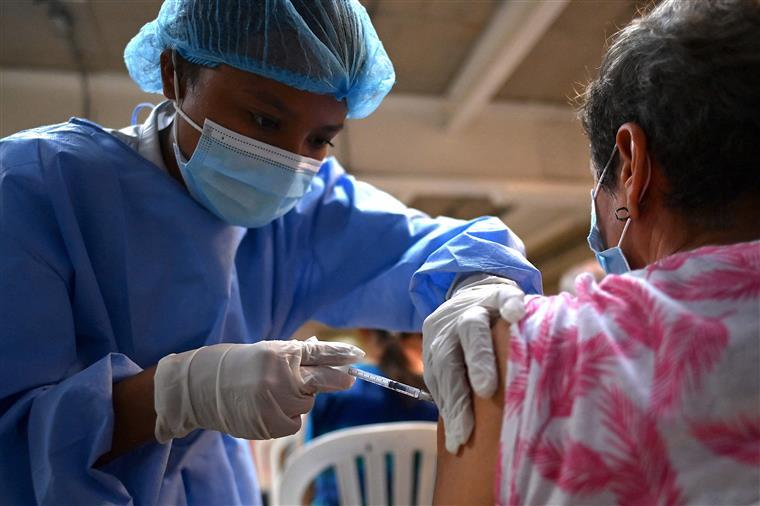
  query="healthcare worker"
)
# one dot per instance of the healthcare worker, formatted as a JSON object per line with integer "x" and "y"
{"x": 149, "y": 276}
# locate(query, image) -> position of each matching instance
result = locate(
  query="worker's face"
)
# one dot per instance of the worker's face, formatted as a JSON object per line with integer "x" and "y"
{"x": 266, "y": 110}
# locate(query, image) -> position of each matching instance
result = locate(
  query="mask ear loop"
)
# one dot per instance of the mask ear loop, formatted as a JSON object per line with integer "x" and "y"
{"x": 646, "y": 186}
{"x": 178, "y": 101}
{"x": 604, "y": 171}
{"x": 176, "y": 95}
{"x": 178, "y": 107}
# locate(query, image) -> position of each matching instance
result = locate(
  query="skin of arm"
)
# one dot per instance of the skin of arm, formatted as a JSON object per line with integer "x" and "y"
{"x": 134, "y": 415}
{"x": 468, "y": 477}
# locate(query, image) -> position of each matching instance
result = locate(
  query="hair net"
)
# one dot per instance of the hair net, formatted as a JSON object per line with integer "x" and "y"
{"x": 327, "y": 47}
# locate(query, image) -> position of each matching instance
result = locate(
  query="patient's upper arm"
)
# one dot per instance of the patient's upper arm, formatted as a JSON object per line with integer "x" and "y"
{"x": 468, "y": 477}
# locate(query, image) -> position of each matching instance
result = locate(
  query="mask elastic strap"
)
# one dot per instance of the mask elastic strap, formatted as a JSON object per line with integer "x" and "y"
{"x": 187, "y": 118}
{"x": 178, "y": 101}
{"x": 625, "y": 229}
{"x": 604, "y": 171}
{"x": 646, "y": 186}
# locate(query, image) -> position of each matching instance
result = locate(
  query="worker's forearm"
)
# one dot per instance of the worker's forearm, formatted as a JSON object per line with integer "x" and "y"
{"x": 134, "y": 414}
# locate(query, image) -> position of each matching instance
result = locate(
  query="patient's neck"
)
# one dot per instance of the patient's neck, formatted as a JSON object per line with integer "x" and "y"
{"x": 743, "y": 226}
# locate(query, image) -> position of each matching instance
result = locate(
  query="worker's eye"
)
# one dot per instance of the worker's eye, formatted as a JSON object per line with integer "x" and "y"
{"x": 265, "y": 122}
{"x": 320, "y": 142}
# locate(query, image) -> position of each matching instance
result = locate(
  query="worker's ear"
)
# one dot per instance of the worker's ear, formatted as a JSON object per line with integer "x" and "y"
{"x": 167, "y": 74}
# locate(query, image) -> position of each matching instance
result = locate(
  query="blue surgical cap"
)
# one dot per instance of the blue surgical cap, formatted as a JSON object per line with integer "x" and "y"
{"x": 327, "y": 47}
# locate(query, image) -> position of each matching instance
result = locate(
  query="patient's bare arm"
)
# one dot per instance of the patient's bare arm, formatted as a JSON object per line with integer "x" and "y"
{"x": 468, "y": 477}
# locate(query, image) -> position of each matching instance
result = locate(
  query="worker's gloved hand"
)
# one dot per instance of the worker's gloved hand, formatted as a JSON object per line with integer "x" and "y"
{"x": 253, "y": 391}
{"x": 457, "y": 344}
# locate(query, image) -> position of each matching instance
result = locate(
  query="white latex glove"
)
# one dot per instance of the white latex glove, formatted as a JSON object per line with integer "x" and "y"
{"x": 457, "y": 345}
{"x": 253, "y": 391}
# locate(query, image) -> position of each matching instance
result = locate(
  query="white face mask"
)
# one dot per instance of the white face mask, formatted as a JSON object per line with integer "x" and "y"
{"x": 612, "y": 260}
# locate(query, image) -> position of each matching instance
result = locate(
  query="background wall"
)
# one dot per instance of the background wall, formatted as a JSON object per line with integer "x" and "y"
{"x": 479, "y": 121}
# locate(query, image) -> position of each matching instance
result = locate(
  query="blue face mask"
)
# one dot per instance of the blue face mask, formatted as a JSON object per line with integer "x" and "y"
{"x": 613, "y": 259}
{"x": 241, "y": 180}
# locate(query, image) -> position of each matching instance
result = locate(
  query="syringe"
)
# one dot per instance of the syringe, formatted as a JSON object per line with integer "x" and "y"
{"x": 390, "y": 384}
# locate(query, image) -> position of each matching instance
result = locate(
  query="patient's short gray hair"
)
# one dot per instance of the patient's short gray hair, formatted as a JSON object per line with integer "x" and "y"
{"x": 689, "y": 74}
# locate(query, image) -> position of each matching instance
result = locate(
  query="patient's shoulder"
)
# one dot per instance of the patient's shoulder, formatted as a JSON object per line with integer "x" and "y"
{"x": 624, "y": 361}
{"x": 618, "y": 308}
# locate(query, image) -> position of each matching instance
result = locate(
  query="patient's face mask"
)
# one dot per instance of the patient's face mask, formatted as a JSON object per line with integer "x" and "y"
{"x": 243, "y": 181}
{"x": 612, "y": 260}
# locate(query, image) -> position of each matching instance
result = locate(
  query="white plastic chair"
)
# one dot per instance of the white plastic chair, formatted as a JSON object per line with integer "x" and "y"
{"x": 280, "y": 451}
{"x": 340, "y": 450}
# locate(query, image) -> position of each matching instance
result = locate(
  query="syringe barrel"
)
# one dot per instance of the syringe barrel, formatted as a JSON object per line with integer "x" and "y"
{"x": 400, "y": 387}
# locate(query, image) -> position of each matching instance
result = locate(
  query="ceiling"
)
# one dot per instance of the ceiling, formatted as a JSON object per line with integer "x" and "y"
{"x": 427, "y": 40}
{"x": 462, "y": 56}
{"x": 29, "y": 39}
{"x": 574, "y": 45}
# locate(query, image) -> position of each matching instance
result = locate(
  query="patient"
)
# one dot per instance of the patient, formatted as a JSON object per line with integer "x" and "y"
{"x": 644, "y": 388}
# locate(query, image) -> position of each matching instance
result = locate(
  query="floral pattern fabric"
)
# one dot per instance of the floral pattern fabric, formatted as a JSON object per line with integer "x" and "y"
{"x": 642, "y": 389}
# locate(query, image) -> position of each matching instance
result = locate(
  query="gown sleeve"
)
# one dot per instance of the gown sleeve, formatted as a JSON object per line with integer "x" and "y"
{"x": 56, "y": 415}
{"x": 377, "y": 263}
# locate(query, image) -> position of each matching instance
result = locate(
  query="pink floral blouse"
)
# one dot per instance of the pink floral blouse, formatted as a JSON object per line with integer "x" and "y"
{"x": 642, "y": 390}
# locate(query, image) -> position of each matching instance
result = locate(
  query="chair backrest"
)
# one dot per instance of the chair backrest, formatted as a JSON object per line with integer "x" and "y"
{"x": 411, "y": 445}
{"x": 280, "y": 451}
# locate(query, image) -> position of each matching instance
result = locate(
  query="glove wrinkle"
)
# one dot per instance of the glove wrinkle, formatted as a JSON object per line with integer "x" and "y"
{"x": 186, "y": 390}
{"x": 458, "y": 350}
{"x": 219, "y": 396}
{"x": 253, "y": 391}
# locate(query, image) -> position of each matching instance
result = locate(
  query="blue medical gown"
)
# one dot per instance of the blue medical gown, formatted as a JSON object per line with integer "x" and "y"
{"x": 107, "y": 265}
